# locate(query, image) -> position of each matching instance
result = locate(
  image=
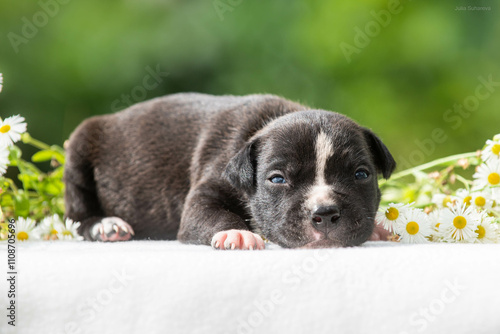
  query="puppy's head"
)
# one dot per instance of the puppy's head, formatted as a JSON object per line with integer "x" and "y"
{"x": 311, "y": 179}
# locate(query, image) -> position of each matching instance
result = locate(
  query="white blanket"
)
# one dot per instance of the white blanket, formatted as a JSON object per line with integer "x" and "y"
{"x": 168, "y": 287}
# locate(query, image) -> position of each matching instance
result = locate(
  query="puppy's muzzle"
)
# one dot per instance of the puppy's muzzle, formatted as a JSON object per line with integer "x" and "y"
{"x": 324, "y": 218}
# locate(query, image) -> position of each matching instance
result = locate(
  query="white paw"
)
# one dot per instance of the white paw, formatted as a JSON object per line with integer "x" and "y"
{"x": 237, "y": 239}
{"x": 112, "y": 229}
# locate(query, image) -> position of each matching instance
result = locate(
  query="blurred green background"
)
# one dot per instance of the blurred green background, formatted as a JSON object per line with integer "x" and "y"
{"x": 398, "y": 69}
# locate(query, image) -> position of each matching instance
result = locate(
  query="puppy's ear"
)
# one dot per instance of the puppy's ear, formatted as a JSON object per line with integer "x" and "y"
{"x": 240, "y": 171}
{"x": 383, "y": 159}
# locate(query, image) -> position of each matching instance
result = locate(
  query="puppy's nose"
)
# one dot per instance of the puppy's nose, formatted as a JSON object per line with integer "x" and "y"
{"x": 325, "y": 216}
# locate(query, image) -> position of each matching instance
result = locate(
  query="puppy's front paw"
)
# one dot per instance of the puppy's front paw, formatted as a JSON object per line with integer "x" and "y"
{"x": 112, "y": 229}
{"x": 380, "y": 233}
{"x": 237, "y": 239}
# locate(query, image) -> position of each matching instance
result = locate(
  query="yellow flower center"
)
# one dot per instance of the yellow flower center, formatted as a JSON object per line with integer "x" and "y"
{"x": 66, "y": 232}
{"x": 480, "y": 201}
{"x": 446, "y": 200}
{"x": 5, "y": 128}
{"x": 392, "y": 213}
{"x": 412, "y": 228}
{"x": 495, "y": 149}
{"x": 467, "y": 200}
{"x": 22, "y": 236}
{"x": 53, "y": 232}
{"x": 494, "y": 178}
{"x": 459, "y": 222}
{"x": 480, "y": 232}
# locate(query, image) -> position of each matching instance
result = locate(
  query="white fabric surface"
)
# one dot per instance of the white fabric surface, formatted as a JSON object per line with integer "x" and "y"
{"x": 168, "y": 287}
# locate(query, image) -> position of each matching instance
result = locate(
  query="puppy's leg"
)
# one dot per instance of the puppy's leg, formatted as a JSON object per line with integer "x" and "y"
{"x": 82, "y": 202}
{"x": 82, "y": 205}
{"x": 207, "y": 219}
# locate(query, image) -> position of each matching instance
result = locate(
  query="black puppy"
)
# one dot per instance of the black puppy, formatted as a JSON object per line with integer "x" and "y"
{"x": 225, "y": 171}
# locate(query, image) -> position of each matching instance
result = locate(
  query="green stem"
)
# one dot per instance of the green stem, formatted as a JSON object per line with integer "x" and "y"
{"x": 428, "y": 165}
{"x": 465, "y": 182}
{"x": 25, "y": 166}
{"x": 27, "y": 139}
{"x": 12, "y": 185}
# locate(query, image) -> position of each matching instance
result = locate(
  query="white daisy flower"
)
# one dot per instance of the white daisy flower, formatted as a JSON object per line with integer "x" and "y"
{"x": 487, "y": 231}
{"x": 390, "y": 216}
{"x": 69, "y": 230}
{"x": 25, "y": 229}
{"x": 4, "y": 160}
{"x": 11, "y": 129}
{"x": 435, "y": 218}
{"x": 488, "y": 174}
{"x": 463, "y": 197}
{"x": 443, "y": 201}
{"x": 459, "y": 223}
{"x": 1, "y": 82}
{"x": 495, "y": 196}
{"x": 481, "y": 200}
{"x": 414, "y": 227}
{"x": 495, "y": 199}
{"x": 491, "y": 151}
{"x": 49, "y": 227}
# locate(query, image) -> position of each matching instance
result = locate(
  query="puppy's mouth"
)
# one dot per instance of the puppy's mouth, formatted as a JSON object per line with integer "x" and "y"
{"x": 341, "y": 238}
{"x": 323, "y": 243}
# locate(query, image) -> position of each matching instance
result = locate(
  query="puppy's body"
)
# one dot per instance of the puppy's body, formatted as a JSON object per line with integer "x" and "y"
{"x": 193, "y": 165}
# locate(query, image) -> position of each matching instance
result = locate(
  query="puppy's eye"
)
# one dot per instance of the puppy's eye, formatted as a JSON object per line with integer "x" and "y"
{"x": 277, "y": 179}
{"x": 361, "y": 174}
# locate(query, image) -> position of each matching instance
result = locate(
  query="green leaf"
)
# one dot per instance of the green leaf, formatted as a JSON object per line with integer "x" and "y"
{"x": 14, "y": 154}
{"x": 31, "y": 168}
{"x": 57, "y": 173}
{"x": 6, "y": 200}
{"x": 29, "y": 181}
{"x": 21, "y": 205}
{"x": 59, "y": 157}
{"x": 52, "y": 187}
{"x": 60, "y": 154}
{"x": 43, "y": 155}
{"x": 46, "y": 155}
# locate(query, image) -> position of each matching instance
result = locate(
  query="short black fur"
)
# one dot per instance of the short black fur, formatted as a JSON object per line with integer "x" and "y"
{"x": 190, "y": 165}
